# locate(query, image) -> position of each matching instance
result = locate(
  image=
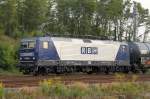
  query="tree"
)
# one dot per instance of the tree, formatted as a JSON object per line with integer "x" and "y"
{"x": 8, "y": 17}
{"x": 147, "y": 29}
{"x": 34, "y": 14}
{"x": 75, "y": 16}
{"x": 51, "y": 23}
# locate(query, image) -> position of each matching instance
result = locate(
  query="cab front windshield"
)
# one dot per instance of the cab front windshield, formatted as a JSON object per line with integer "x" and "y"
{"x": 27, "y": 45}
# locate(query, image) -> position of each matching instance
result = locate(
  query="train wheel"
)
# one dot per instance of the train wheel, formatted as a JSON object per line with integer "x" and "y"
{"x": 59, "y": 70}
{"x": 126, "y": 71}
{"x": 89, "y": 70}
{"x": 43, "y": 71}
{"x": 134, "y": 69}
{"x": 26, "y": 72}
{"x": 117, "y": 69}
{"x": 35, "y": 71}
{"x": 107, "y": 70}
{"x": 144, "y": 71}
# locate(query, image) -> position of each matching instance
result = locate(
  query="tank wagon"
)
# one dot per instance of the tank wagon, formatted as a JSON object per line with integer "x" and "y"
{"x": 65, "y": 55}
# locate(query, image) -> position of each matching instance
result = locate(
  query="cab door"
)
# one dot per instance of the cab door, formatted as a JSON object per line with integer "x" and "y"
{"x": 47, "y": 50}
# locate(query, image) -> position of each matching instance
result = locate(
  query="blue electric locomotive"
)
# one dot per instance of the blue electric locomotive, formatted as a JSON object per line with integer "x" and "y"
{"x": 63, "y": 54}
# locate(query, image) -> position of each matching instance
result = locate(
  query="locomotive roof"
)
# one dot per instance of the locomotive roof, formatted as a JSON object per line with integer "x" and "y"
{"x": 78, "y": 36}
{"x": 28, "y": 39}
{"x": 86, "y": 40}
{"x": 69, "y": 39}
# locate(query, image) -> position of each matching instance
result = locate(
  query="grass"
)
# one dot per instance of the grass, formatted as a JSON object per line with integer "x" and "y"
{"x": 148, "y": 72}
{"x": 11, "y": 72}
{"x": 1, "y": 91}
{"x": 54, "y": 89}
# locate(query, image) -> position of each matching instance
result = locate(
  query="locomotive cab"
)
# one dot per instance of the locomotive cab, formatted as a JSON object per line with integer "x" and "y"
{"x": 27, "y": 50}
{"x": 27, "y": 55}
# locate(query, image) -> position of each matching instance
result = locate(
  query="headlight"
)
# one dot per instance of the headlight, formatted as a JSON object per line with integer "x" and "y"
{"x": 20, "y": 58}
{"x": 33, "y": 58}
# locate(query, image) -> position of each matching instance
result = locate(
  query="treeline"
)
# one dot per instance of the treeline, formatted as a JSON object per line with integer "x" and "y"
{"x": 115, "y": 18}
{"x": 22, "y": 18}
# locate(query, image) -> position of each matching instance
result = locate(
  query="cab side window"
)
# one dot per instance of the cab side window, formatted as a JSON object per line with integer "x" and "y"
{"x": 45, "y": 45}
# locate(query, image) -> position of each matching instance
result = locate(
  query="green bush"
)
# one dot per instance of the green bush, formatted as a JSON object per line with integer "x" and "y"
{"x": 50, "y": 89}
{"x": 8, "y": 56}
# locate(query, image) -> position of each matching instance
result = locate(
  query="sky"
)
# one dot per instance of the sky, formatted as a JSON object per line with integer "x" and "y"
{"x": 145, "y": 3}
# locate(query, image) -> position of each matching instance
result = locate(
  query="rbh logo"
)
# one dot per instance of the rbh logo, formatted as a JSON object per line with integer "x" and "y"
{"x": 89, "y": 50}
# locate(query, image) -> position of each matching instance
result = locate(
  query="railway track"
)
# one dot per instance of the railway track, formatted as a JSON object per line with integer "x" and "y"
{"x": 33, "y": 81}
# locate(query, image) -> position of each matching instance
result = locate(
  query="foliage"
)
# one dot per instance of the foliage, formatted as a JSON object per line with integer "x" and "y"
{"x": 53, "y": 88}
{"x": 11, "y": 71}
{"x": 8, "y": 52}
{"x": 33, "y": 14}
{"x": 78, "y": 89}
{"x": 82, "y": 17}
{"x": 8, "y": 17}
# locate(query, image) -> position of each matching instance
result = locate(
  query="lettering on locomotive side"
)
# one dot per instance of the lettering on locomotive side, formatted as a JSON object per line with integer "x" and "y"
{"x": 89, "y": 50}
